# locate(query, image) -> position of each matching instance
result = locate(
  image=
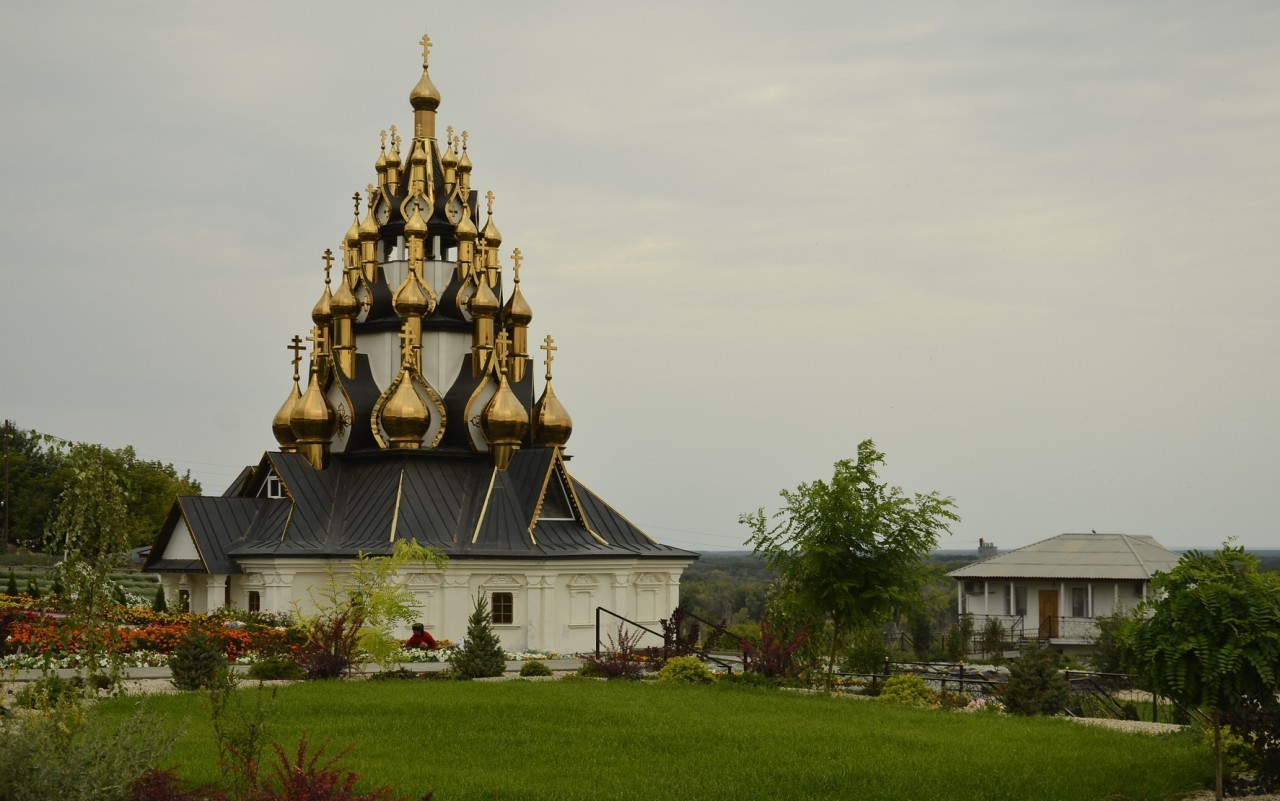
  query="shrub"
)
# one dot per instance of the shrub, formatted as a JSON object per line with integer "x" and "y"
{"x": 685, "y": 670}
{"x": 62, "y": 753}
{"x": 48, "y": 690}
{"x": 196, "y": 660}
{"x": 619, "y": 661}
{"x": 959, "y": 637}
{"x": 754, "y": 680}
{"x": 303, "y": 777}
{"x": 867, "y": 651}
{"x": 275, "y": 668}
{"x": 480, "y": 655}
{"x": 993, "y": 637}
{"x": 11, "y": 588}
{"x": 534, "y": 668}
{"x": 158, "y": 604}
{"x": 1108, "y": 653}
{"x": 33, "y": 587}
{"x": 775, "y": 655}
{"x": 331, "y": 645}
{"x": 908, "y": 689}
{"x": 1036, "y": 687}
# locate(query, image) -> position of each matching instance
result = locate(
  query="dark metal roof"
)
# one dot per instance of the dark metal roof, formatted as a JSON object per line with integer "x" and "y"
{"x": 454, "y": 501}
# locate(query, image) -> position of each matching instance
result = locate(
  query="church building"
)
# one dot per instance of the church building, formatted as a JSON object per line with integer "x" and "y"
{"x": 419, "y": 418}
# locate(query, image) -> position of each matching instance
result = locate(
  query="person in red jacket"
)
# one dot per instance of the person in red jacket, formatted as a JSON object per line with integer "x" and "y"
{"x": 421, "y": 639}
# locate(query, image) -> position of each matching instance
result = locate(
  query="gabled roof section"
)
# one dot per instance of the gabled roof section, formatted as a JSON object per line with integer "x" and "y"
{"x": 1077, "y": 556}
{"x": 215, "y": 524}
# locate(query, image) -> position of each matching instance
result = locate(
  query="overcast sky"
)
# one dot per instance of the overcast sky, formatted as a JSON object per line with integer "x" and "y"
{"x": 1028, "y": 248}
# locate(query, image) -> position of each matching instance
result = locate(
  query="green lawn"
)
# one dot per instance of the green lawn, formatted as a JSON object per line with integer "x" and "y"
{"x": 595, "y": 740}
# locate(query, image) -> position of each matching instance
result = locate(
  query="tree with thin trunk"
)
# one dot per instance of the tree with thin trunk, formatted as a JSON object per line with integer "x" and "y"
{"x": 850, "y": 551}
{"x": 1210, "y": 636}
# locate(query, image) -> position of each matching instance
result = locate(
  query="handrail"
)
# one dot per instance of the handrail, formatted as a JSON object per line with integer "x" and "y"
{"x": 728, "y": 667}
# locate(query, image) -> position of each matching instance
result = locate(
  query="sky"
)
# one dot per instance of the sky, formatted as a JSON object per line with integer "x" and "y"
{"x": 1029, "y": 248}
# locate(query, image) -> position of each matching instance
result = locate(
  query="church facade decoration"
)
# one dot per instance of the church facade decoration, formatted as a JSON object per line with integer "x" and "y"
{"x": 417, "y": 418}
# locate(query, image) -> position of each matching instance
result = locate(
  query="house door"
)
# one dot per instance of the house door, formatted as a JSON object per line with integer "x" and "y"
{"x": 1049, "y": 613}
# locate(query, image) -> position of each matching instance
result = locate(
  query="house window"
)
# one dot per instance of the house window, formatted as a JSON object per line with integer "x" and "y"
{"x": 1020, "y": 600}
{"x": 255, "y": 601}
{"x": 1079, "y": 602}
{"x": 503, "y": 605}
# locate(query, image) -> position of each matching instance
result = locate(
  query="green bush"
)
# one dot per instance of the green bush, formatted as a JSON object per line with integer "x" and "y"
{"x": 11, "y": 588}
{"x": 908, "y": 689}
{"x": 1036, "y": 686}
{"x": 196, "y": 660}
{"x": 685, "y": 670}
{"x": 867, "y": 650}
{"x": 959, "y": 638}
{"x": 534, "y": 668}
{"x": 275, "y": 668}
{"x": 33, "y": 587}
{"x": 158, "y": 603}
{"x": 743, "y": 679}
{"x": 1107, "y": 655}
{"x": 480, "y": 655}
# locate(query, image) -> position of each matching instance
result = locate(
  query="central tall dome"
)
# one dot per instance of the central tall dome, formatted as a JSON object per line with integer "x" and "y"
{"x": 416, "y": 348}
{"x": 417, "y": 419}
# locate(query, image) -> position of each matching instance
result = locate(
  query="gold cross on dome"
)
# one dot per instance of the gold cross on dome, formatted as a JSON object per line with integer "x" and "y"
{"x": 297, "y": 349}
{"x": 517, "y": 257}
{"x": 316, "y": 339}
{"x": 383, "y": 136}
{"x": 502, "y": 351}
{"x": 406, "y": 342}
{"x": 489, "y": 197}
{"x": 464, "y": 141}
{"x": 417, "y": 130}
{"x": 356, "y": 197}
{"x": 369, "y": 191}
{"x": 549, "y": 346}
{"x": 328, "y": 262}
{"x": 425, "y": 41}
{"x": 448, "y": 135}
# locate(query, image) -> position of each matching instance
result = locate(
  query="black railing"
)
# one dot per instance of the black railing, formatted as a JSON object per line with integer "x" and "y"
{"x": 666, "y": 640}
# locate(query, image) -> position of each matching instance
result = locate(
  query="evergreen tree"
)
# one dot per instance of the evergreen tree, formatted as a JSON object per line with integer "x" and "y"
{"x": 159, "y": 604}
{"x": 1036, "y": 686}
{"x": 481, "y": 654}
{"x": 12, "y": 588}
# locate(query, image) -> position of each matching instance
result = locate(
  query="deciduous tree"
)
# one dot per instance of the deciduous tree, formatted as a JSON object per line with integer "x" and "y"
{"x": 851, "y": 550}
{"x": 1210, "y": 636}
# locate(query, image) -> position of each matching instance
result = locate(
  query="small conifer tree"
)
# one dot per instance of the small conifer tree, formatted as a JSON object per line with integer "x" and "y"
{"x": 159, "y": 604}
{"x": 12, "y": 588}
{"x": 33, "y": 587}
{"x": 1036, "y": 686}
{"x": 481, "y": 654}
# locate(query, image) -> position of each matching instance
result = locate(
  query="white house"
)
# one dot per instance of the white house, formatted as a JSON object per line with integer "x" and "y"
{"x": 1055, "y": 589}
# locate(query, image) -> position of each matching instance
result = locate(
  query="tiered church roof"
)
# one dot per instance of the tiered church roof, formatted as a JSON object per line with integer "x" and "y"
{"x": 417, "y": 417}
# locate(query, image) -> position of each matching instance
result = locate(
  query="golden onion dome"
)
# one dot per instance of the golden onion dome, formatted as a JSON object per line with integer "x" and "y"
{"x": 322, "y": 312}
{"x": 369, "y": 227}
{"x": 416, "y": 226}
{"x": 393, "y": 158}
{"x": 448, "y": 159}
{"x": 313, "y": 419}
{"x": 280, "y": 425}
{"x": 418, "y": 153}
{"x": 425, "y": 96}
{"x": 465, "y": 229}
{"x": 483, "y": 303}
{"x": 405, "y": 416}
{"x": 464, "y": 162}
{"x": 491, "y": 234}
{"x": 381, "y": 164}
{"x": 517, "y": 310}
{"x": 344, "y": 302}
{"x": 411, "y": 297}
{"x": 552, "y": 424}
{"x": 353, "y": 233}
{"x": 504, "y": 420}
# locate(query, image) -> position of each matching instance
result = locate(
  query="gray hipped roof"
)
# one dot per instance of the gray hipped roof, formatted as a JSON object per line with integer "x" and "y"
{"x": 1077, "y": 556}
{"x": 456, "y": 502}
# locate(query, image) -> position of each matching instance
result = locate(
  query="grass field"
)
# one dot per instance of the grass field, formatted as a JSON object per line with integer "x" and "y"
{"x": 619, "y": 740}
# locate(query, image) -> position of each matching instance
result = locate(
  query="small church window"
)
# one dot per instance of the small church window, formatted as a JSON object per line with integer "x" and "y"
{"x": 255, "y": 601}
{"x": 273, "y": 488}
{"x": 503, "y": 605}
{"x": 184, "y": 601}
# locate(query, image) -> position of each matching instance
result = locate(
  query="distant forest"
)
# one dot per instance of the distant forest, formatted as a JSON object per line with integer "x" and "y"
{"x": 38, "y": 472}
